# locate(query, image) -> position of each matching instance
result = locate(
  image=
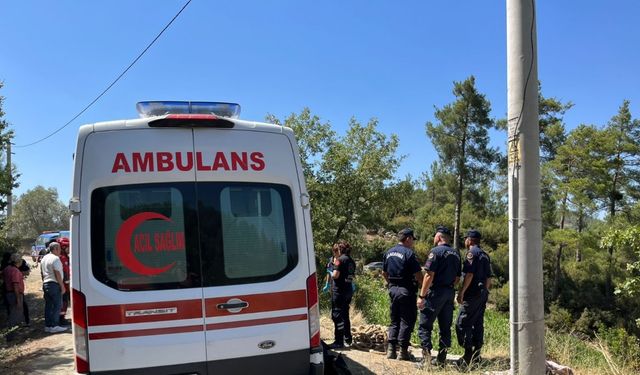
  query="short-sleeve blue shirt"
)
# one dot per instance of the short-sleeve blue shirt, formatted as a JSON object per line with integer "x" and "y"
{"x": 478, "y": 263}
{"x": 401, "y": 265}
{"x": 444, "y": 262}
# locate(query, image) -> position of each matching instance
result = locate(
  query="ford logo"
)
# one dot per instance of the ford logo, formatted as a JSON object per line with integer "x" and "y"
{"x": 267, "y": 344}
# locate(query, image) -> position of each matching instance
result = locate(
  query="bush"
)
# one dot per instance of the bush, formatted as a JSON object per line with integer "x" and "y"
{"x": 500, "y": 298}
{"x": 559, "y": 319}
{"x": 592, "y": 321}
{"x": 372, "y": 251}
{"x": 422, "y": 250}
{"x": 372, "y": 298}
{"x": 624, "y": 347}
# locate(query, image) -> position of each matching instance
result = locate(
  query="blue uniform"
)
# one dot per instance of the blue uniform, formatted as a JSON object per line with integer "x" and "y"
{"x": 444, "y": 262}
{"x": 341, "y": 294}
{"x": 470, "y": 323}
{"x": 401, "y": 265}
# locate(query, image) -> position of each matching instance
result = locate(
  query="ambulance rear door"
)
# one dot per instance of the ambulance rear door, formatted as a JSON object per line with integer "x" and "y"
{"x": 254, "y": 251}
{"x": 139, "y": 255}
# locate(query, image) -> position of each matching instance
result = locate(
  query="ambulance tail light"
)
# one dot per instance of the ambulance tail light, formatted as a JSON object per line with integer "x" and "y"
{"x": 314, "y": 311}
{"x": 80, "y": 335}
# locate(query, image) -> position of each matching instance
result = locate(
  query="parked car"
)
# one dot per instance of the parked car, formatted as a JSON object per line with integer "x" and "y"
{"x": 373, "y": 266}
{"x": 40, "y": 245}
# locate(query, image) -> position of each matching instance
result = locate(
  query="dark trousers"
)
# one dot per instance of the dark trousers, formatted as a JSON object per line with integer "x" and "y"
{"x": 15, "y": 315}
{"x": 65, "y": 302}
{"x": 25, "y": 310}
{"x": 470, "y": 324}
{"x": 438, "y": 304}
{"x": 52, "y": 304}
{"x": 403, "y": 314}
{"x": 340, "y": 315}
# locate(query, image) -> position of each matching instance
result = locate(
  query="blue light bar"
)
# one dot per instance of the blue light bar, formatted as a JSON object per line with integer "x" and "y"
{"x": 161, "y": 108}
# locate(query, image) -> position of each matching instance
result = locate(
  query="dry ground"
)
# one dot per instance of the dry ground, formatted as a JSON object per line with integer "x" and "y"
{"x": 33, "y": 351}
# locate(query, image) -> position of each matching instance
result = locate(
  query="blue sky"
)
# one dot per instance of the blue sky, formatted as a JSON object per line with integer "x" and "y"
{"x": 391, "y": 60}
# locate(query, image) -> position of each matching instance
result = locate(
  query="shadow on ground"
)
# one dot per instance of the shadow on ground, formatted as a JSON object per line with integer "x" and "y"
{"x": 356, "y": 368}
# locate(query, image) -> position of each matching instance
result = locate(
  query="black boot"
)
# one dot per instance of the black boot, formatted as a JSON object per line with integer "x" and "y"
{"x": 475, "y": 358}
{"x": 405, "y": 355}
{"x": 391, "y": 351}
{"x": 348, "y": 341}
{"x": 464, "y": 361}
{"x": 441, "y": 359}
{"x": 426, "y": 357}
{"x": 337, "y": 345}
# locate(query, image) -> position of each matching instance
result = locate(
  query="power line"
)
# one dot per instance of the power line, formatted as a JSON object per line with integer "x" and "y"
{"x": 112, "y": 83}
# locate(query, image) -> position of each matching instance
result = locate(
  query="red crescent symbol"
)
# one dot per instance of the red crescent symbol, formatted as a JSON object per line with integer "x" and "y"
{"x": 123, "y": 244}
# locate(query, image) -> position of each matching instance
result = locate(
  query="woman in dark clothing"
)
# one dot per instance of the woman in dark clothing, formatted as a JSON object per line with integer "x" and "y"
{"x": 25, "y": 269}
{"x": 342, "y": 291}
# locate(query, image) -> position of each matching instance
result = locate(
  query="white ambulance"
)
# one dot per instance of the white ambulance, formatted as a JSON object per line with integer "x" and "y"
{"x": 191, "y": 246}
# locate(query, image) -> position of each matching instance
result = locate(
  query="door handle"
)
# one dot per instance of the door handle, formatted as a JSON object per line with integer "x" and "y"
{"x": 233, "y": 305}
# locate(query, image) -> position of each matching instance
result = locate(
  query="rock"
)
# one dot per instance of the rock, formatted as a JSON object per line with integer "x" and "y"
{"x": 369, "y": 337}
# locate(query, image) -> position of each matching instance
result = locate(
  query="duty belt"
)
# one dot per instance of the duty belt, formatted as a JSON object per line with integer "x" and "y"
{"x": 400, "y": 282}
{"x": 442, "y": 286}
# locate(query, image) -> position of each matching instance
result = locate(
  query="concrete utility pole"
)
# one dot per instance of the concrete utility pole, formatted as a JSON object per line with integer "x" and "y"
{"x": 525, "y": 225}
{"x": 9, "y": 170}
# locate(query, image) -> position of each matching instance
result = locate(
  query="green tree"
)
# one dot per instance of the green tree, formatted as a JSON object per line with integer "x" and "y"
{"x": 627, "y": 239}
{"x": 552, "y": 136}
{"x": 37, "y": 210}
{"x": 462, "y": 141}
{"x": 550, "y": 119}
{"x": 350, "y": 179}
{"x": 356, "y": 173}
{"x": 620, "y": 174}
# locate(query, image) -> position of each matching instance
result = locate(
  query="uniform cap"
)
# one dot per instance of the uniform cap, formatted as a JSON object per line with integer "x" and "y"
{"x": 444, "y": 230}
{"x": 473, "y": 234}
{"x": 406, "y": 232}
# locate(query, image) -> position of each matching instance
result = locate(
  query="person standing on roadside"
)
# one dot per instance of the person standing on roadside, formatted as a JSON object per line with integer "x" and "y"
{"x": 14, "y": 289}
{"x": 25, "y": 269}
{"x": 473, "y": 299}
{"x": 403, "y": 275}
{"x": 335, "y": 254}
{"x": 343, "y": 271}
{"x": 437, "y": 294}
{"x": 53, "y": 287}
{"x": 66, "y": 296}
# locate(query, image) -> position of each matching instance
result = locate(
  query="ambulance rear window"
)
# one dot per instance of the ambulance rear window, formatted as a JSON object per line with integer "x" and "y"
{"x": 185, "y": 235}
{"x": 140, "y": 239}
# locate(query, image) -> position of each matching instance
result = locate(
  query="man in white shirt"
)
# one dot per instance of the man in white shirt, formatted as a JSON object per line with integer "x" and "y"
{"x": 53, "y": 286}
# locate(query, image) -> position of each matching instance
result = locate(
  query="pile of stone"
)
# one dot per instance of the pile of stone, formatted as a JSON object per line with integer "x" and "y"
{"x": 369, "y": 337}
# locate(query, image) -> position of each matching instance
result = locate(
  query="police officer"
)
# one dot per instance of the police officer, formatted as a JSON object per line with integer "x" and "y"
{"x": 343, "y": 271}
{"x": 403, "y": 275}
{"x": 473, "y": 299}
{"x": 436, "y": 296}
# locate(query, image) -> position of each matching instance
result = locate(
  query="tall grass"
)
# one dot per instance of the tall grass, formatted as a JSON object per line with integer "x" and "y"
{"x": 583, "y": 355}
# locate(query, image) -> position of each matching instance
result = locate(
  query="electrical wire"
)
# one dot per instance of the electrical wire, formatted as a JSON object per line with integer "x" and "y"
{"x": 112, "y": 83}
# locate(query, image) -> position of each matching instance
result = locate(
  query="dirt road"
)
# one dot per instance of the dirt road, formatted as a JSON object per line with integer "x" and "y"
{"x": 32, "y": 351}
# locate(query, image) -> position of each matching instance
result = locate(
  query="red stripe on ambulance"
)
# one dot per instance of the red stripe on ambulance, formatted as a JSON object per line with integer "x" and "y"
{"x": 256, "y": 322}
{"x": 192, "y": 309}
{"x": 196, "y": 328}
{"x": 260, "y": 303}
{"x": 144, "y": 312}
{"x": 144, "y": 332}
